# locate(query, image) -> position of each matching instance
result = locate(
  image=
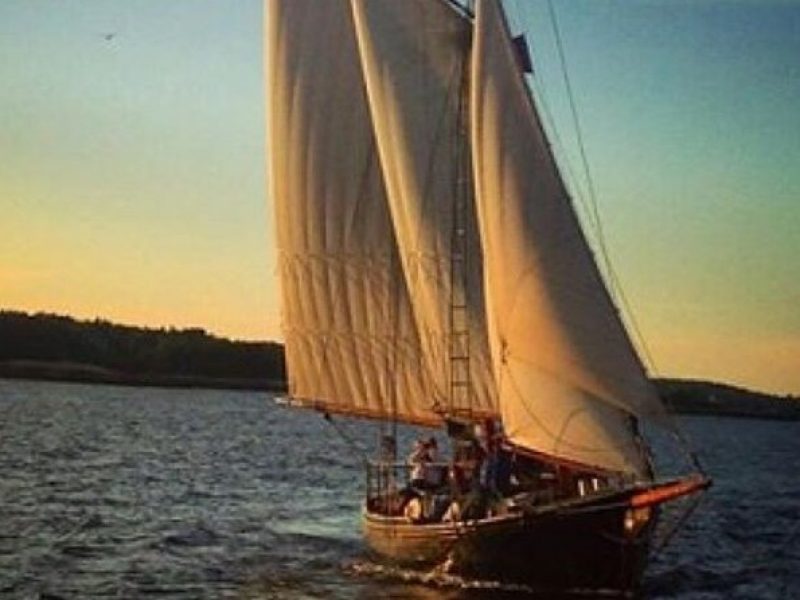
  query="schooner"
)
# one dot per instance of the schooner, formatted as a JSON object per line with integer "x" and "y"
{"x": 434, "y": 272}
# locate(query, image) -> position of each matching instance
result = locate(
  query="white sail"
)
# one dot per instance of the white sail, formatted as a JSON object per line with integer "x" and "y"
{"x": 350, "y": 336}
{"x": 415, "y": 60}
{"x": 568, "y": 377}
{"x": 371, "y": 144}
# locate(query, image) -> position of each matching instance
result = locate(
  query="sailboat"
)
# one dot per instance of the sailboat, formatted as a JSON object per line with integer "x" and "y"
{"x": 434, "y": 272}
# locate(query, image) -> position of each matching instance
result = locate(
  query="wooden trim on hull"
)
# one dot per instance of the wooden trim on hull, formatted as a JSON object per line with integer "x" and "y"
{"x": 599, "y": 541}
{"x": 407, "y": 543}
{"x": 553, "y": 550}
{"x": 670, "y": 490}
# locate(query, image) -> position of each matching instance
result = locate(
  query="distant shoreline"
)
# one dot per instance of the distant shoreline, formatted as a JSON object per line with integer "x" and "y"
{"x": 771, "y": 415}
{"x": 683, "y": 397}
{"x": 90, "y": 374}
{"x": 50, "y": 347}
{"x": 688, "y": 397}
{"x": 60, "y": 348}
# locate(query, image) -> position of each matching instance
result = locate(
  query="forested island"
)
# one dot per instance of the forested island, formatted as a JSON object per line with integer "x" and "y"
{"x": 706, "y": 398}
{"x": 54, "y": 347}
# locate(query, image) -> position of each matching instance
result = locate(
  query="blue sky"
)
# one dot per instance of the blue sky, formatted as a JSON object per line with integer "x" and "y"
{"x": 132, "y": 168}
{"x": 690, "y": 118}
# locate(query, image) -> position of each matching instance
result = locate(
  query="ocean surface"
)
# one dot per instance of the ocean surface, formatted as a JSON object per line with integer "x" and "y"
{"x": 152, "y": 493}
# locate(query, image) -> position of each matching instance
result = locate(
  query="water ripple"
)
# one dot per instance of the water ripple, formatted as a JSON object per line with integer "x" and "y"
{"x": 135, "y": 493}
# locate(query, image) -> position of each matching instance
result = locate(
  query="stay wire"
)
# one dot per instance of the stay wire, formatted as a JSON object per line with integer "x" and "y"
{"x": 614, "y": 281}
{"x": 680, "y": 521}
{"x": 354, "y": 447}
{"x": 590, "y": 187}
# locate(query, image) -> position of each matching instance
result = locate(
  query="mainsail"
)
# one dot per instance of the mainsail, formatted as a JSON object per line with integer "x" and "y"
{"x": 414, "y": 56}
{"x": 351, "y": 342}
{"x": 387, "y": 118}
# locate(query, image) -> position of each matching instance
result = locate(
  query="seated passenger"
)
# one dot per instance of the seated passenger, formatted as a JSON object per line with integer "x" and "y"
{"x": 453, "y": 513}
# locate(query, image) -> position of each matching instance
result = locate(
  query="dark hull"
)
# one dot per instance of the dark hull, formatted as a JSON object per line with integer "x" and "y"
{"x": 576, "y": 547}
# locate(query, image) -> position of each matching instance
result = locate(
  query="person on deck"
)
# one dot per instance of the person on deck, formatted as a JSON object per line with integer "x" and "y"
{"x": 505, "y": 468}
{"x": 434, "y": 473}
{"x": 490, "y": 439}
{"x": 417, "y": 460}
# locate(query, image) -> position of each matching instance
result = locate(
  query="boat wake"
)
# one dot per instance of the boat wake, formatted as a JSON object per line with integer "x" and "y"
{"x": 441, "y": 577}
{"x": 438, "y": 576}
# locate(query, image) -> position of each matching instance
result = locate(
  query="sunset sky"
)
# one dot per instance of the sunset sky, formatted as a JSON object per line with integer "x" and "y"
{"x": 132, "y": 180}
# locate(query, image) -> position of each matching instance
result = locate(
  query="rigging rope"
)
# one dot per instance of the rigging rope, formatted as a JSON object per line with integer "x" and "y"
{"x": 615, "y": 285}
{"x": 357, "y": 449}
{"x": 592, "y": 213}
{"x": 579, "y": 134}
{"x": 557, "y": 146}
{"x": 678, "y": 523}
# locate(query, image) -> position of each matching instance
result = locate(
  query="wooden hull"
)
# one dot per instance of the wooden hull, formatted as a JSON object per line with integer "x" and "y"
{"x": 561, "y": 548}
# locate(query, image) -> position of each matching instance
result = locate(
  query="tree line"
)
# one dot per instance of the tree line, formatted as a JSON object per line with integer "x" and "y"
{"x": 136, "y": 350}
{"x": 48, "y": 346}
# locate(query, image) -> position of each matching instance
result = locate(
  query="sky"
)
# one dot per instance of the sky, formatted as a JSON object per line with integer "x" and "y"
{"x": 132, "y": 177}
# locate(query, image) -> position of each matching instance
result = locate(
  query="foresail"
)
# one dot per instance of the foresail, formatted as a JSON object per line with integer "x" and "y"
{"x": 415, "y": 61}
{"x": 568, "y": 377}
{"x": 350, "y": 336}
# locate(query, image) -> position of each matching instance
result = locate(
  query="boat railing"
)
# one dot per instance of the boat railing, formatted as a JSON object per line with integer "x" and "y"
{"x": 389, "y": 483}
{"x": 383, "y": 475}
{"x": 388, "y": 475}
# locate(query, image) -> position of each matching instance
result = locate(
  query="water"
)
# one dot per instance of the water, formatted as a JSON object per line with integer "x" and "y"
{"x": 127, "y": 493}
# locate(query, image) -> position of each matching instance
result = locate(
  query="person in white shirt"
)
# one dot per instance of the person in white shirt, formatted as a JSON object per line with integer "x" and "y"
{"x": 417, "y": 460}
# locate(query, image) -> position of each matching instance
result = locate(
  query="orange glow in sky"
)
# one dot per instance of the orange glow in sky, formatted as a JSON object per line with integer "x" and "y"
{"x": 132, "y": 179}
